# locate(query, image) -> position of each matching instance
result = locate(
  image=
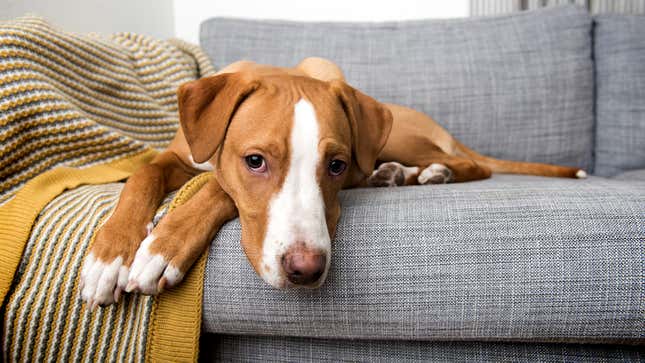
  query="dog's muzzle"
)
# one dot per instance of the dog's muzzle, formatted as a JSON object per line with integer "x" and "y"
{"x": 304, "y": 266}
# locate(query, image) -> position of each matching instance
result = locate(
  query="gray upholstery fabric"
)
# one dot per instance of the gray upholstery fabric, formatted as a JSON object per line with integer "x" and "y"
{"x": 631, "y": 175}
{"x": 513, "y": 257}
{"x": 516, "y": 87}
{"x": 620, "y": 77}
{"x": 258, "y": 349}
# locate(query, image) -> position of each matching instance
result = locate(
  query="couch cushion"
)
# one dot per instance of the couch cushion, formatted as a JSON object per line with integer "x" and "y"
{"x": 517, "y": 86}
{"x": 620, "y": 77}
{"x": 638, "y": 174}
{"x": 513, "y": 257}
{"x": 256, "y": 349}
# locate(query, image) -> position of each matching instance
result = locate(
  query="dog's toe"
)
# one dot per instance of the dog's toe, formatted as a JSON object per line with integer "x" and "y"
{"x": 150, "y": 272}
{"x": 387, "y": 175}
{"x": 101, "y": 280}
{"x": 435, "y": 174}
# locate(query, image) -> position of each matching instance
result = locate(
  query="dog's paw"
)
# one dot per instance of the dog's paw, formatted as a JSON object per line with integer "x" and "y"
{"x": 435, "y": 174}
{"x": 390, "y": 174}
{"x": 151, "y": 271}
{"x": 105, "y": 270}
{"x": 102, "y": 282}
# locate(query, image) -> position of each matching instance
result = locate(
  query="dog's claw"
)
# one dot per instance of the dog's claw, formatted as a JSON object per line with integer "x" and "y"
{"x": 131, "y": 286}
{"x": 92, "y": 304}
{"x": 117, "y": 295}
{"x": 161, "y": 286}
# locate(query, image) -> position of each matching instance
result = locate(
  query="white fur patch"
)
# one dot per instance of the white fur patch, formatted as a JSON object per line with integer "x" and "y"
{"x": 149, "y": 269}
{"x": 173, "y": 275}
{"x": 581, "y": 174}
{"x": 205, "y": 166}
{"x": 101, "y": 282}
{"x": 435, "y": 174}
{"x": 297, "y": 211}
{"x": 407, "y": 170}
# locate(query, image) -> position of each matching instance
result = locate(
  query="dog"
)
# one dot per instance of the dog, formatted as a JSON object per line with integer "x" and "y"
{"x": 281, "y": 143}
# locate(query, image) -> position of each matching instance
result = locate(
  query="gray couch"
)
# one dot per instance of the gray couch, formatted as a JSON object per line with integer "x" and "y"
{"x": 513, "y": 268}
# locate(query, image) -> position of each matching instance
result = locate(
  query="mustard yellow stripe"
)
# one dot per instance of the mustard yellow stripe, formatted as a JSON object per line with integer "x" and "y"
{"x": 70, "y": 70}
{"x": 20, "y": 88}
{"x": 136, "y": 320}
{"x": 77, "y": 147}
{"x": 33, "y": 284}
{"x": 25, "y": 38}
{"x": 119, "y": 327}
{"x": 40, "y": 121}
{"x": 72, "y": 86}
{"x": 99, "y": 154}
{"x": 18, "y": 215}
{"x": 29, "y": 142}
{"x": 58, "y": 246}
{"x": 133, "y": 102}
{"x": 99, "y": 49}
{"x": 66, "y": 296}
{"x": 132, "y": 113}
{"x": 40, "y": 108}
{"x": 25, "y": 291}
{"x": 177, "y": 315}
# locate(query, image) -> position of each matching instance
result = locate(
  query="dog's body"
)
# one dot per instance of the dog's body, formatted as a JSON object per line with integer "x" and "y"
{"x": 281, "y": 143}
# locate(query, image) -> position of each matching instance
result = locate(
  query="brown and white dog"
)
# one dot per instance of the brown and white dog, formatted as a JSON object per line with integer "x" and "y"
{"x": 281, "y": 143}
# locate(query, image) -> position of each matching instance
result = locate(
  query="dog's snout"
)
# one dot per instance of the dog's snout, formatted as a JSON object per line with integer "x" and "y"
{"x": 304, "y": 266}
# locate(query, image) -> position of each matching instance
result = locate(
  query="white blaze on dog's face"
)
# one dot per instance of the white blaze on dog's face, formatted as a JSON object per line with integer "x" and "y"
{"x": 296, "y": 213}
{"x": 283, "y": 154}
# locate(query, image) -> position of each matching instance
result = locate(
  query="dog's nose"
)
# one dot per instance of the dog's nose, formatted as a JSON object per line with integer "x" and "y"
{"x": 303, "y": 266}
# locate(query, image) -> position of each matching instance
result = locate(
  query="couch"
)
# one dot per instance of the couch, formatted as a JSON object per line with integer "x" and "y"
{"x": 513, "y": 268}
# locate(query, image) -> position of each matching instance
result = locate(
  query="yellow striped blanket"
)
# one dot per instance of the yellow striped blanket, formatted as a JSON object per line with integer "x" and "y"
{"x": 76, "y": 113}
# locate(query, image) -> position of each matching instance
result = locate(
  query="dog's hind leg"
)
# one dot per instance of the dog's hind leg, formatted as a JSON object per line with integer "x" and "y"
{"x": 437, "y": 168}
{"x": 419, "y": 151}
{"x": 105, "y": 270}
{"x": 179, "y": 239}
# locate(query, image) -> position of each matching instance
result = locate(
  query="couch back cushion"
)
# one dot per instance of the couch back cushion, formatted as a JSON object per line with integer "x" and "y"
{"x": 620, "y": 77}
{"x": 516, "y": 86}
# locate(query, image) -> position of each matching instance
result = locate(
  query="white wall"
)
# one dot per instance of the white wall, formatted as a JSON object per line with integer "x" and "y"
{"x": 190, "y": 13}
{"x": 152, "y": 17}
{"x": 181, "y": 18}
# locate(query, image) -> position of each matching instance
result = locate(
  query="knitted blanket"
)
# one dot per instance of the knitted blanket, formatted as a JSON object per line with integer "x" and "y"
{"x": 77, "y": 112}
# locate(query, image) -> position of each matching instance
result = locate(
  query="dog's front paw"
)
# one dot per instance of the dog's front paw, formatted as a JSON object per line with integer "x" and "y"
{"x": 154, "y": 268}
{"x": 105, "y": 270}
{"x": 435, "y": 174}
{"x": 102, "y": 282}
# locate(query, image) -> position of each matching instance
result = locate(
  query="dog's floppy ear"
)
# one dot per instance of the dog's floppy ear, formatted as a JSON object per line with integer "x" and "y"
{"x": 370, "y": 122}
{"x": 206, "y": 106}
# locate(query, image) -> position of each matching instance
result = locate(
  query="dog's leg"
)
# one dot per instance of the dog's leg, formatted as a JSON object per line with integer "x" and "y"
{"x": 448, "y": 169}
{"x": 438, "y": 169}
{"x": 392, "y": 174}
{"x": 105, "y": 270}
{"x": 179, "y": 239}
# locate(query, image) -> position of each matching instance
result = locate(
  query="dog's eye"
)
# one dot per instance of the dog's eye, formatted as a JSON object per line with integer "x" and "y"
{"x": 337, "y": 167}
{"x": 256, "y": 163}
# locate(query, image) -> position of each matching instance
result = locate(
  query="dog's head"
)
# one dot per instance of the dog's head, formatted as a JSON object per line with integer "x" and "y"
{"x": 282, "y": 147}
